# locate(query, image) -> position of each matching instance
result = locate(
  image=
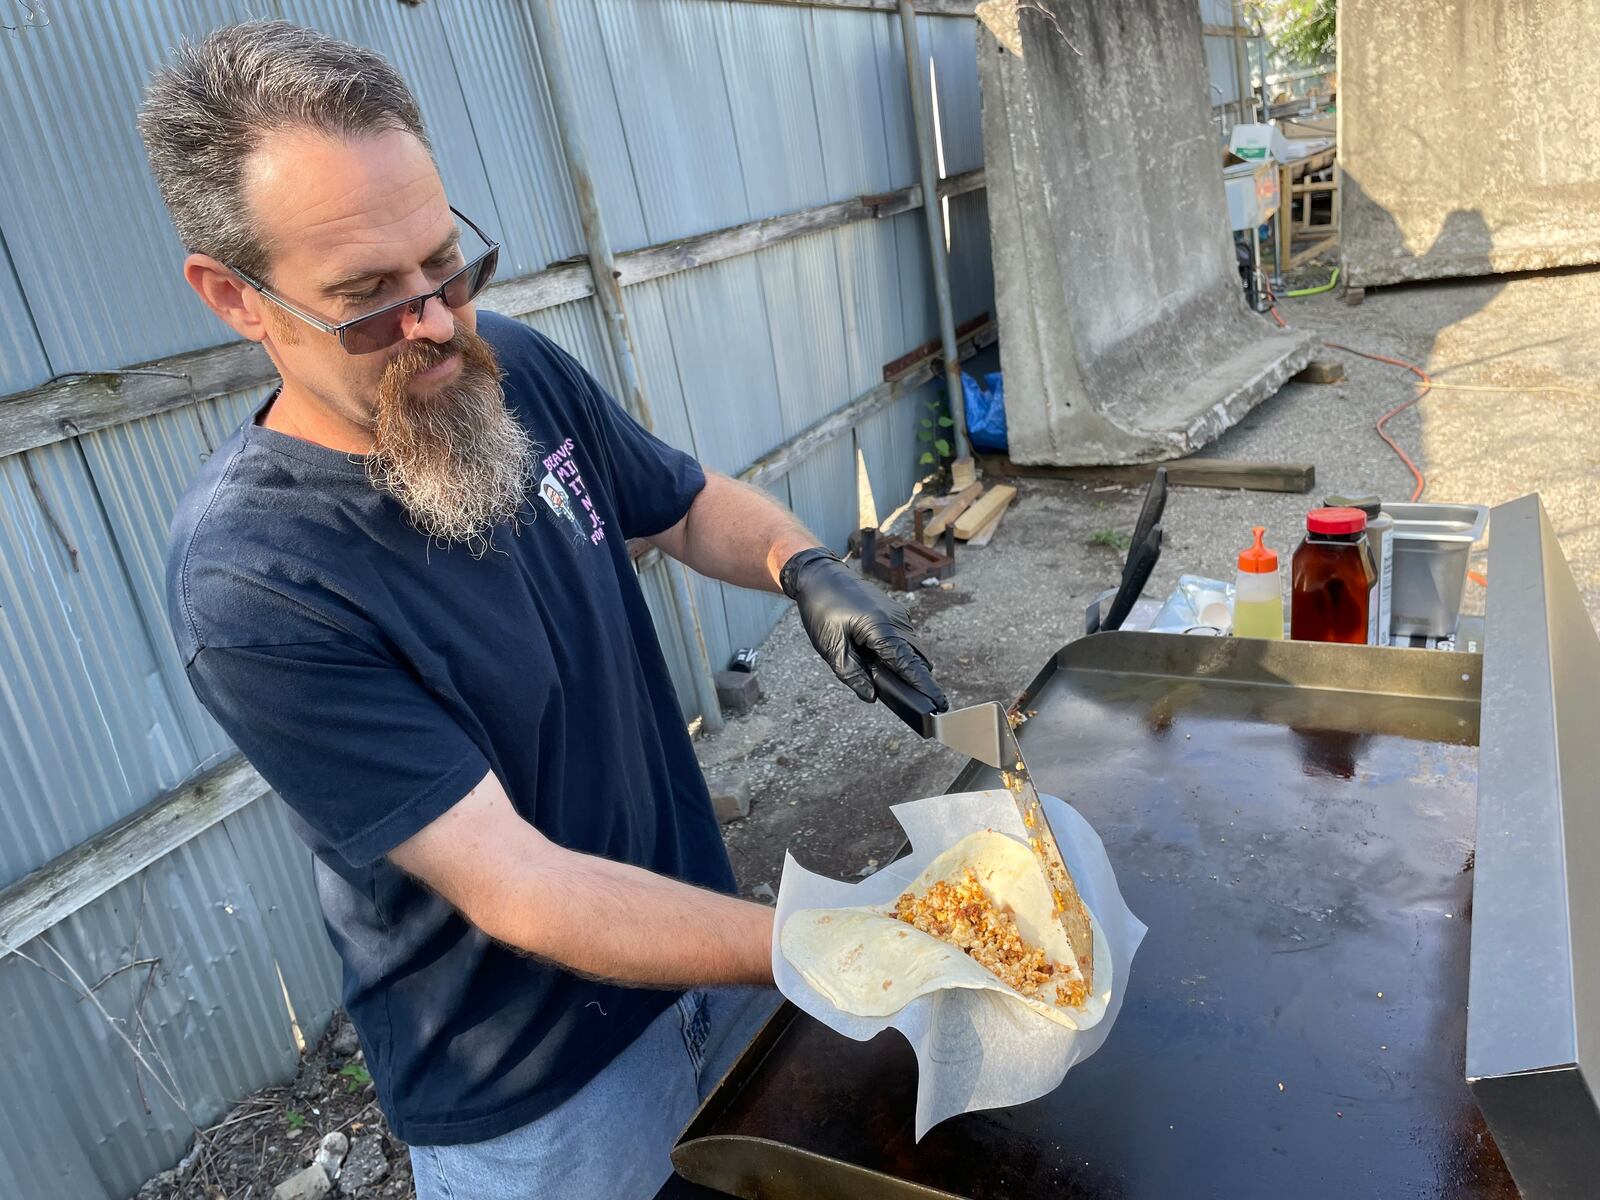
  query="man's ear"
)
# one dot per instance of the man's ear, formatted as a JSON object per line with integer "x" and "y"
{"x": 226, "y": 295}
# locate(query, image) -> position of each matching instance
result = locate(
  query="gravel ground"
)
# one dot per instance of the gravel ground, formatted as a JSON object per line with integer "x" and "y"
{"x": 823, "y": 768}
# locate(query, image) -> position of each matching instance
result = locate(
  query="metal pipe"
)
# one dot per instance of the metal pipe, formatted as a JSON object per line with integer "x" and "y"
{"x": 932, "y": 215}
{"x": 608, "y": 291}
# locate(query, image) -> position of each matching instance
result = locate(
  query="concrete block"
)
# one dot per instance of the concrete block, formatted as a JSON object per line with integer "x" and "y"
{"x": 737, "y": 691}
{"x": 1126, "y": 333}
{"x": 1321, "y": 370}
{"x": 730, "y": 797}
{"x": 1466, "y": 138}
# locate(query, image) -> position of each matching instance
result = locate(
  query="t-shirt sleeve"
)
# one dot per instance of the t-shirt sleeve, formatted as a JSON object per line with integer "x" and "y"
{"x": 352, "y": 741}
{"x": 652, "y": 484}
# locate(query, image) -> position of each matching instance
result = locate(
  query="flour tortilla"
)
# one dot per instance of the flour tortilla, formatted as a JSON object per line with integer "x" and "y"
{"x": 866, "y": 962}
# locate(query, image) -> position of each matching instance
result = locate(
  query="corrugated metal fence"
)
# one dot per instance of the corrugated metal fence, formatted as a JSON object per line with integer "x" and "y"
{"x": 699, "y": 115}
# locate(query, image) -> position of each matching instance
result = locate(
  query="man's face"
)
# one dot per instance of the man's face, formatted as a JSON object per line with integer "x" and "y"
{"x": 349, "y": 227}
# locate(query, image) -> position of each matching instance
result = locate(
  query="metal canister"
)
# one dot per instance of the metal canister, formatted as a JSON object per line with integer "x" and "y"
{"x": 1379, "y": 528}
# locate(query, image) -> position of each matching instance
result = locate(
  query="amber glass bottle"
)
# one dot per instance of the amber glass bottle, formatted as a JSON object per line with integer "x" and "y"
{"x": 1331, "y": 581}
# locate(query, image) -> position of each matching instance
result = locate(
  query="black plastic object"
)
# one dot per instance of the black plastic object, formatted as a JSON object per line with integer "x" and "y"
{"x": 904, "y": 701}
{"x": 1141, "y": 561}
{"x": 1143, "y": 552}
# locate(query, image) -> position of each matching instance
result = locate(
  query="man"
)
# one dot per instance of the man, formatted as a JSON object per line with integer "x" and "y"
{"x": 463, "y": 703}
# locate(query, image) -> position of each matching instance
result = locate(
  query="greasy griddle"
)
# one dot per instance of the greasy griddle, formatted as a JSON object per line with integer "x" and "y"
{"x": 1294, "y": 823}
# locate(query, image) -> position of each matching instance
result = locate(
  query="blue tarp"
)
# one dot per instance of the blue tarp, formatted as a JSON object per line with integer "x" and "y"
{"x": 986, "y": 412}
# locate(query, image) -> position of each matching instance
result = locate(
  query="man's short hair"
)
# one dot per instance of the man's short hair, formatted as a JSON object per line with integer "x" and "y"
{"x": 208, "y": 111}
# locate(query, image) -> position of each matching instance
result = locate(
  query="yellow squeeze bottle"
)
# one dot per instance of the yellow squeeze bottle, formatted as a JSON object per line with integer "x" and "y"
{"x": 1257, "y": 594}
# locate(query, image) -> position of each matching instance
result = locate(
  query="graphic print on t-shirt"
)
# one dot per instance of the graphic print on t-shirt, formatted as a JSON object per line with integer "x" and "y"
{"x": 563, "y": 490}
{"x": 558, "y": 501}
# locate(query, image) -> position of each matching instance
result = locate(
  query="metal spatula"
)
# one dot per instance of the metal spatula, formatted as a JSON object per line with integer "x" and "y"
{"x": 983, "y": 732}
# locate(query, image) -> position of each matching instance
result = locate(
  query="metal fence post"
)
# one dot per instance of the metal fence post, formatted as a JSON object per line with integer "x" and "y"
{"x": 928, "y": 164}
{"x": 608, "y": 291}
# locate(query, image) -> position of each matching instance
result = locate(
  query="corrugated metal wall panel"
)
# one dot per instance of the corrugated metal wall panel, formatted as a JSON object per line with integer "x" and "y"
{"x": 88, "y": 730}
{"x": 277, "y": 867}
{"x": 951, "y": 44}
{"x": 215, "y": 1014}
{"x": 766, "y": 65}
{"x": 657, "y": 588}
{"x": 103, "y": 285}
{"x": 800, "y": 284}
{"x": 22, "y": 361}
{"x": 1223, "y": 69}
{"x": 576, "y": 327}
{"x": 412, "y": 38}
{"x": 609, "y": 161}
{"x": 971, "y": 265}
{"x": 899, "y": 126}
{"x": 496, "y": 58}
{"x": 848, "y": 52}
{"x": 673, "y": 97}
{"x": 140, "y": 470}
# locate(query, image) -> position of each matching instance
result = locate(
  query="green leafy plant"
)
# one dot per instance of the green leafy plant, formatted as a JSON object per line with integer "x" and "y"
{"x": 1304, "y": 30}
{"x": 931, "y": 434}
{"x": 355, "y": 1077}
{"x": 295, "y": 1120}
{"x": 1113, "y": 538}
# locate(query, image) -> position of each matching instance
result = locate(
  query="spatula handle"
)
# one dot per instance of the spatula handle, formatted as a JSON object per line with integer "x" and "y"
{"x": 905, "y": 701}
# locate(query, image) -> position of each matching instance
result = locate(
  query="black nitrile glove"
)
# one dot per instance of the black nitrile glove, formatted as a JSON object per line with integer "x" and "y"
{"x": 853, "y": 625}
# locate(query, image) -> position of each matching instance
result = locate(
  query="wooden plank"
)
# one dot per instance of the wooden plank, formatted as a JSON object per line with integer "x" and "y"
{"x": 935, "y": 8}
{"x": 1183, "y": 472}
{"x": 560, "y": 283}
{"x": 980, "y": 514}
{"x": 986, "y": 534}
{"x": 959, "y": 503}
{"x": 61, "y": 887}
{"x": 83, "y": 403}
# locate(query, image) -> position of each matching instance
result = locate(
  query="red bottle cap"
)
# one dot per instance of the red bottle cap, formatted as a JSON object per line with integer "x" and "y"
{"x": 1258, "y": 559}
{"x": 1336, "y": 520}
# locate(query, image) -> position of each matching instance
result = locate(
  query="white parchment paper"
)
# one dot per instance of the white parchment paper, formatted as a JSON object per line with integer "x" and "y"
{"x": 975, "y": 1049}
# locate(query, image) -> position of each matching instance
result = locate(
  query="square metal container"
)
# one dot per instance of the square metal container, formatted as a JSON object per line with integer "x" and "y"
{"x": 1431, "y": 545}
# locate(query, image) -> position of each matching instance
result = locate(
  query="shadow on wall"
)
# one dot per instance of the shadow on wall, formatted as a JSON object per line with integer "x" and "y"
{"x": 1374, "y": 247}
{"x": 1464, "y": 238}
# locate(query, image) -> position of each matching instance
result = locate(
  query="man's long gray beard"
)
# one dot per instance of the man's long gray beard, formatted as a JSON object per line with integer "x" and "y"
{"x": 456, "y": 459}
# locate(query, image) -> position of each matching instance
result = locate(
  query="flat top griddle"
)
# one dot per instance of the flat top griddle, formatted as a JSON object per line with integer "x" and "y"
{"x": 1294, "y": 823}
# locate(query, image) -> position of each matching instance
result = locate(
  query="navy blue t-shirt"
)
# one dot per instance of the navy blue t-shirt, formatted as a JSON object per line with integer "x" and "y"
{"x": 373, "y": 679}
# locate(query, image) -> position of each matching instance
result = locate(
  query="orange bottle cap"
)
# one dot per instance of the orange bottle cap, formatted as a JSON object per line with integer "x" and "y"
{"x": 1258, "y": 559}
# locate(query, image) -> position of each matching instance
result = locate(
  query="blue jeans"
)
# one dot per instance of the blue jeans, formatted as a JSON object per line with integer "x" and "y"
{"x": 612, "y": 1138}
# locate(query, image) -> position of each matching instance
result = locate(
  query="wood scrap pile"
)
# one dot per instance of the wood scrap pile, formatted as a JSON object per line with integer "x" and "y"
{"x": 973, "y": 513}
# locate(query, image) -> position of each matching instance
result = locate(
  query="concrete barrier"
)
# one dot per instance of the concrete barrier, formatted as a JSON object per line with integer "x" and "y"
{"x": 1467, "y": 137}
{"x": 1124, "y": 334}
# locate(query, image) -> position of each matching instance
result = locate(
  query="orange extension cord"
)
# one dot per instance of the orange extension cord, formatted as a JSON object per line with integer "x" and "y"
{"x": 1427, "y": 386}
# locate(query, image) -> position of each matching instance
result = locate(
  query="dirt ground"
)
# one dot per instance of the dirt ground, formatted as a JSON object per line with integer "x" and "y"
{"x": 823, "y": 768}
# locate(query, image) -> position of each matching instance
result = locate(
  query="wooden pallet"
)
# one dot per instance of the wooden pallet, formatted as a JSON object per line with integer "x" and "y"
{"x": 1295, "y": 182}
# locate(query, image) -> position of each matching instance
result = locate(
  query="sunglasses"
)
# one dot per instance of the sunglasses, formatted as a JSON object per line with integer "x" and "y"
{"x": 381, "y": 329}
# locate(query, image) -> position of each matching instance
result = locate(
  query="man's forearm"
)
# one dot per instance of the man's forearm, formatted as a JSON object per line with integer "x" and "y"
{"x": 612, "y": 921}
{"x": 737, "y": 533}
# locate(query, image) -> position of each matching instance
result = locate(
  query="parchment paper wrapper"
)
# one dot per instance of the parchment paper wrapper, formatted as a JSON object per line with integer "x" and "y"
{"x": 975, "y": 1049}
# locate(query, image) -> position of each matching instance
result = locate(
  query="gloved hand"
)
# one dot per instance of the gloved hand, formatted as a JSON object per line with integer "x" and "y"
{"x": 853, "y": 625}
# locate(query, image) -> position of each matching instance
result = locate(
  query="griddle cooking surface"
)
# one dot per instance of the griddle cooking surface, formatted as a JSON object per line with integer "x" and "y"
{"x": 1295, "y": 1019}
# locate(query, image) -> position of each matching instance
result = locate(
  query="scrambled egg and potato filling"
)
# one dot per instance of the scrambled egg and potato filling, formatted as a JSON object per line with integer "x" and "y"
{"x": 963, "y": 914}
